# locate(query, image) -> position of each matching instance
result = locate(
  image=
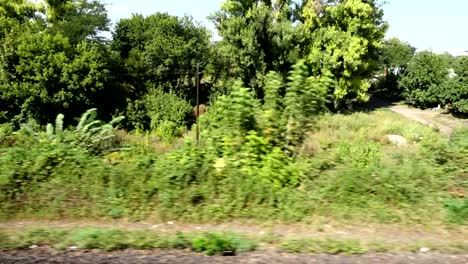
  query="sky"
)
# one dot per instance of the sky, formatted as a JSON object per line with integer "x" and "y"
{"x": 425, "y": 24}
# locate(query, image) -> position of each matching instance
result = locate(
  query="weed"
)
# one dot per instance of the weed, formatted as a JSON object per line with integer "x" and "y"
{"x": 330, "y": 246}
{"x": 456, "y": 210}
{"x": 113, "y": 239}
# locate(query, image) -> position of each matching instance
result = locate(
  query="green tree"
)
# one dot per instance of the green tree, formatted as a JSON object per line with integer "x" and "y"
{"x": 396, "y": 54}
{"x": 21, "y": 10}
{"x": 259, "y": 36}
{"x": 394, "y": 59}
{"x": 76, "y": 19}
{"x": 162, "y": 50}
{"x": 461, "y": 68}
{"x": 457, "y": 89}
{"x": 43, "y": 75}
{"x": 344, "y": 38}
{"x": 424, "y": 78}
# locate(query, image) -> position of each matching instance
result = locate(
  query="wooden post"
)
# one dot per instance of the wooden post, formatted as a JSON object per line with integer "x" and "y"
{"x": 198, "y": 103}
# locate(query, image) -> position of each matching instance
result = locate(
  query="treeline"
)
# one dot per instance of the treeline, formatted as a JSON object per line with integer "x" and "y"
{"x": 423, "y": 79}
{"x": 53, "y": 58}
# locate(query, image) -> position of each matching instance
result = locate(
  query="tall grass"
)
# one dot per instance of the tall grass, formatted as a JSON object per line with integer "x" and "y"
{"x": 347, "y": 171}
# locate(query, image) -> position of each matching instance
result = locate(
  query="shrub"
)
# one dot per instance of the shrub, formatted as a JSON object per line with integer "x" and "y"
{"x": 456, "y": 210}
{"x": 160, "y": 109}
{"x": 423, "y": 78}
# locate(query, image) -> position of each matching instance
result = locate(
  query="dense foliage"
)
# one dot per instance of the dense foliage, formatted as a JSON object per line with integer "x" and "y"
{"x": 427, "y": 82}
{"x": 266, "y": 150}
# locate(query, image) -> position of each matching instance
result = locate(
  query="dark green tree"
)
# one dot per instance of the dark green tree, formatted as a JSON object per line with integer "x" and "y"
{"x": 396, "y": 54}
{"x": 394, "y": 59}
{"x": 163, "y": 50}
{"x": 424, "y": 79}
{"x": 43, "y": 75}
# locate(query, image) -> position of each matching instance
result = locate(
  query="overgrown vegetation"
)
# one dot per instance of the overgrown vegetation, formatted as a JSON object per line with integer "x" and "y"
{"x": 209, "y": 243}
{"x": 424, "y": 79}
{"x": 346, "y": 170}
{"x": 269, "y": 149}
{"x": 114, "y": 239}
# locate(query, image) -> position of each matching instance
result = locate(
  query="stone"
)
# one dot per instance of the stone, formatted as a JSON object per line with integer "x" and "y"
{"x": 397, "y": 140}
{"x": 424, "y": 250}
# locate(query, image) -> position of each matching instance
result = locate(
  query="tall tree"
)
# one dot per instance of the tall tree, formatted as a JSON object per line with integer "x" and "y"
{"x": 76, "y": 19}
{"x": 21, "y": 10}
{"x": 163, "y": 50}
{"x": 394, "y": 59}
{"x": 48, "y": 65}
{"x": 259, "y": 36}
{"x": 344, "y": 39}
{"x": 396, "y": 54}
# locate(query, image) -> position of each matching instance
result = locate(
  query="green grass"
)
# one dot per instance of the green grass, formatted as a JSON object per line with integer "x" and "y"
{"x": 357, "y": 247}
{"x": 347, "y": 171}
{"x": 114, "y": 239}
{"x": 208, "y": 243}
{"x": 329, "y": 246}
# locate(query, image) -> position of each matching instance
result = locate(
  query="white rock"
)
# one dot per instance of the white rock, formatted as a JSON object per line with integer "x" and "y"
{"x": 424, "y": 250}
{"x": 154, "y": 226}
{"x": 33, "y": 246}
{"x": 170, "y": 223}
{"x": 397, "y": 140}
{"x": 73, "y": 248}
{"x": 198, "y": 228}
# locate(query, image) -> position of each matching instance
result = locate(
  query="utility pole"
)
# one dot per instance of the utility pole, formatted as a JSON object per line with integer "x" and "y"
{"x": 198, "y": 104}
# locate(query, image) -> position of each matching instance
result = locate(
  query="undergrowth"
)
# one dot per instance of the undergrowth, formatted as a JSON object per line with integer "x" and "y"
{"x": 267, "y": 162}
{"x": 114, "y": 239}
{"x": 209, "y": 243}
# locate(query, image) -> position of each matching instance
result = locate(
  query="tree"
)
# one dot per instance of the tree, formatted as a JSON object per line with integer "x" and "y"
{"x": 344, "y": 39}
{"x": 396, "y": 54}
{"x": 43, "y": 75}
{"x": 259, "y": 36}
{"x": 394, "y": 58}
{"x": 163, "y": 50}
{"x": 76, "y": 19}
{"x": 424, "y": 79}
{"x": 461, "y": 68}
{"x": 50, "y": 63}
{"x": 21, "y": 10}
{"x": 458, "y": 91}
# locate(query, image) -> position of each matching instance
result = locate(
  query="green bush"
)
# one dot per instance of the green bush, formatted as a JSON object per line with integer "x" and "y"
{"x": 457, "y": 210}
{"x": 107, "y": 240}
{"x": 425, "y": 74}
{"x": 160, "y": 111}
{"x": 246, "y": 166}
{"x": 90, "y": 135}
{"x": 6, "y": 134}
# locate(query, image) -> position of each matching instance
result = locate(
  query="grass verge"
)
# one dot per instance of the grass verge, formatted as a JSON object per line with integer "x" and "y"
{"x": 114, "y": 239}
{"x": 210, "y": 243}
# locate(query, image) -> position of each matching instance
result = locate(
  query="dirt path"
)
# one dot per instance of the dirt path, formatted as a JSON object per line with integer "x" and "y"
{"x": 365, "y": 232}
{"x": 445, "y": 122}
{"x": 266, "y": 257}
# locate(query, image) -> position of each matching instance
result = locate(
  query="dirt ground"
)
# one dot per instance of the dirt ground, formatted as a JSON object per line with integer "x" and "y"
{"x": 44, "y": 255}
{"x": 445, "y": 122}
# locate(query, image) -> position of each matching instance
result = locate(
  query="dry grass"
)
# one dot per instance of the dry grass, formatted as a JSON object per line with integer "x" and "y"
{"x": 367, "y": 127}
